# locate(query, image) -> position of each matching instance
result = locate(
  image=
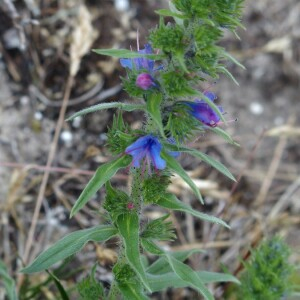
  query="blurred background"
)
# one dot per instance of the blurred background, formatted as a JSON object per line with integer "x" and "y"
{"x": 42, "y": 40}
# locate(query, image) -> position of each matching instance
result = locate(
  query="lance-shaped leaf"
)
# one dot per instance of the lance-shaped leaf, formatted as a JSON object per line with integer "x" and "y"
{"x": 8, "y": 282}
{"x": 132, "y": 292}
{"x": 61, "y": 289}
{"x": 173, "y": 164}
{"x": 161, "y": 265}
{"x": 128, "y": 225}
{"x": 170, "y": 201}
{"x": 206, "y": 158}
{"x": 125, "y": 53}
{"x": 169, "y": 13}
{"x": 223, "y": 70}
{"x": 190, "y": 276}
{"x": 101, "y": 176}
{"x": 161, "y": 282}
{"x": 69, "y": 245}
{"x": 223, "y": 134}
{"x": 153, "y": 108}
{"x": 102, "y": 106}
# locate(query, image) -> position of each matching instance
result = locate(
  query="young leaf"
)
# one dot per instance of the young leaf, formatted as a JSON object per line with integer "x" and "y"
{"x": 188, "y": 275}
{"x": 132, "y": 292}
{"x": 153, "y": 108}
{"x": 176, "y": 167}
{"x": 170, "y": 201}
{"x": 128, "y": 225}
{"x": 223, "y": 70}
{"x": 102, "y": 106}
{"x": 8, "y": 282}
{"x": 62, "y": 291}
{"x": 206, "y": 158}
{"x": 125, "y": 53}
{"x": 169, "y": 13}
{"x": 209, "y": 277}
{"x": 159, "y": 282}
{"x": 222, "y": 133}
{"x": 69, "y": 245}
{"x": 161, "y": 265}
{"x": 102, "y": 175}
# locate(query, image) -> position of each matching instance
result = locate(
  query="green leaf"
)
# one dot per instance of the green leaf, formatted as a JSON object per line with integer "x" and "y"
{"x": 124, "y": 53}
{"x": 62, "y": 291}
{"x": 176, "y": 167}
{"x": 206, "y": 158}
{"x": 128, "y": 225}
{"x": 222, "y": 133}
{"x": 151, "y": 247}
{"x": 170, "y": 201}
{"x": 69, "y": 245}
{"x": 169, "y": 13}
{"x": 101, "y": 176}
{"x": 8, "y": 282}
{"x": 132, "y": 292}
{"x": 223, "y": 70}
{"x": 231, "y": 58}
{"x": 159, "y": 282}
{"x": 153, "y": 108}
{"x": 209, "y": 277}
{"x": 161, "y": 265}
{"x": 188, "y": 275}
{"x": 102, "y": 106}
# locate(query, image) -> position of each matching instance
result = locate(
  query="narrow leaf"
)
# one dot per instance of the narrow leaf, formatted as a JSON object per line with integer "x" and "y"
{"x": 128, "y": 225}
{"x": 209, "y": 277}
{"x": 170, "y": 201}
{"x": 176, "y": 167}
{"x": 223, "y": 134}
{"x": 102, "y": 106}
{"x": 159, "y": 282}
{"x": 8, "y": 282}
{"x": 161, "y": 265}
{"x": 231, "y": 58}
{"x": 226, "y": 72}
{"x": 69, "y": 245}
{"x": 125, "y": 53}
{"x": 62, "y": 291}
{"x": 151, "y": 247}
{"x": 101, "y": 176}
{"x": 153, "y": 108}
{"x": 188, "y": 275}
{"x": 169, "y": 13}
{"x": 132, "y": 292}
{"x": 206, "y": 158}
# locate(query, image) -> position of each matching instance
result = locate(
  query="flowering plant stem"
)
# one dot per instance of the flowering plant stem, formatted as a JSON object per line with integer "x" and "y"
{"x": 163, "y": 79}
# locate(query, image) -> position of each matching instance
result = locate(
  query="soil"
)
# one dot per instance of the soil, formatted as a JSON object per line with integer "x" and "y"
{"x": 34, "y": 63}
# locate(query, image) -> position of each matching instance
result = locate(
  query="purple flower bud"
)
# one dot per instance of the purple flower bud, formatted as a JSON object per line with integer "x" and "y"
{"x": 203, "y": 112}
{"x": 147, "y": 147}
{"x": 145, "y": 81}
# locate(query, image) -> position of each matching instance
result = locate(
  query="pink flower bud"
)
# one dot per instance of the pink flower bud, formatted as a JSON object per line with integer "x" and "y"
{"x": 145, "y": 81}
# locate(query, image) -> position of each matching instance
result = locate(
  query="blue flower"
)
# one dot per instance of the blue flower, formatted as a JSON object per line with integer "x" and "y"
{"x": 203, "y": 112}
{"x": 149, "y": 148}
{"x": 139, "y": 63}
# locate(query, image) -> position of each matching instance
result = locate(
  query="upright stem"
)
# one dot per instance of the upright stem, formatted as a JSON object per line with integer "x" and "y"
{"x": 137, "y": 200}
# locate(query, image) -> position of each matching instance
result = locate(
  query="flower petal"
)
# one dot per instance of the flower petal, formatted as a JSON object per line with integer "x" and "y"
{"x": 154, "y": 153}
{"x": 126, "y": 63}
